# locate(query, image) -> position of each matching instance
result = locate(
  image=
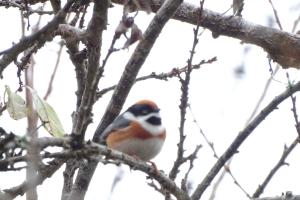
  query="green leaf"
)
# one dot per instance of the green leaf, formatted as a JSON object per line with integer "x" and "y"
{"x": 16, "y": 105}
{"x": 47, "y": 115}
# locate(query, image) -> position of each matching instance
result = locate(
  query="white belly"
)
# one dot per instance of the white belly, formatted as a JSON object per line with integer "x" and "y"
{"x": 145, "y": 149}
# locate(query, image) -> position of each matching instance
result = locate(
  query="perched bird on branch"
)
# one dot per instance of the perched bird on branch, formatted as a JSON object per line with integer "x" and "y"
{"x": 137, "y": 132}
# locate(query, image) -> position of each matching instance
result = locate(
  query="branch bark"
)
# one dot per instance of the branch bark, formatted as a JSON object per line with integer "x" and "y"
{"x": 90, "y": 150}
{"x": 282, "y": 47}
{"x": 279, "y": 164}
{"x": 125, "y": 84}
{"x": 287, "y": 196}
{"x": 44, "y": 173}
{"x": 39, "y": 38}
{"x": 242, "y": 136}
{"x": 94, "y": 43}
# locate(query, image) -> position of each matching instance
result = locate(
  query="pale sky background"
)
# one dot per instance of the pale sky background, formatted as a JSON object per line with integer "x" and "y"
{"x": 221, "y": 102}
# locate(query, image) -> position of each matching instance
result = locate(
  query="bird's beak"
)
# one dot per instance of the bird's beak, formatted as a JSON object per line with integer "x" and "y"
{"x": 157, "y": 110}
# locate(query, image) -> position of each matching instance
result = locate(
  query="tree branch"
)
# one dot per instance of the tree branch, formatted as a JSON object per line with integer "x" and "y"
{"x": 39, "y": 38}
{"x": 242, "y": 136}
{"x": 92, "y": 151}
{"x": 94, "y": 43}
{"x": 46, "y": 172}
{"x": 185, "y": 82}
{"x": 161, "y": 76}
{"x": 286, "y": 151}
{"x": 282, "y": 47}
{"x": 126, "y": 82}
{"x": 286, "y": 196}
{"x": 280, "y": 163}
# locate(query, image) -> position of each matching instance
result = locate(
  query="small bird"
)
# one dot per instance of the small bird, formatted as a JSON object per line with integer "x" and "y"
{"x": 137, "y": 132}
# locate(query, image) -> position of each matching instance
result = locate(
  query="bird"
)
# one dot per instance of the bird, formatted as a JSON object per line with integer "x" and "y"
{"x": 138, "y": 131}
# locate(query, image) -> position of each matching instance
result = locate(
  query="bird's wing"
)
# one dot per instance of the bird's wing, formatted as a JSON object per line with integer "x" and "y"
{"x": 119, "y": 123}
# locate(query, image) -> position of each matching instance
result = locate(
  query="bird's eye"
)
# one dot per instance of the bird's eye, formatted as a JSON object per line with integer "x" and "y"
{"x": 144, "y": 112}
{"x": 141, "y": 109}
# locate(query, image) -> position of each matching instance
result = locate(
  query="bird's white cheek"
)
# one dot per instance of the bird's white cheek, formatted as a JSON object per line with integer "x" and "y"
{"x": 142, "y": 120}
{"x": 153, "y": 129}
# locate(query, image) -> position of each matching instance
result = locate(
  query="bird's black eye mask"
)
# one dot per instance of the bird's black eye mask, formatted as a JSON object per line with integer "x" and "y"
{"x": 154, "y": 120}
{"x": 142, "y": 109}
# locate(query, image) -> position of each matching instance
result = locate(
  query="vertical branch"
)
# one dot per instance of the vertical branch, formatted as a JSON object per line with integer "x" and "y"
{"x": 94, "y": 41}
{"x": 55, "y": 5}
{"x": 83, "y": 114}
{"x": 32, "y": 119}
{"x": 122, "y": 89}
{"x": 183, "y": 106}
{"x": 184, "y": 100}
{"x": 32, "y": 149}
{"x": 134, "y": 64}
{"x": 71, "y": 167}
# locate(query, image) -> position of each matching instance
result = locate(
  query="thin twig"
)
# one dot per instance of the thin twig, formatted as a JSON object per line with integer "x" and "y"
{"x": 284, "y": 196}
{"x": 126, "y": 82}
{"x": 242, "y": 136}
{"x": 117, "y": 179}
{"x": 276, "y": 15}
{"x": 83, "y": 115}
{"x": 226, "y": 166}
{"x": 40, "y": 37}
{"x": 294, "y": 108}
{"x": 287, "y": 150}
{"x": 44, "y": 173}
{"x": 184, "y": 101}
{"x": 161, "y": 76}
{"x": 50, "y": 85}
{"x": 217, "y": 183}
{"x": 180, "y": 159}
{"x": 191, "y": 158}
{"x": 263, "y": 95}
{"x": 279, "y": 164}
{"x": 296, "y": 22}
{"x": 81, "y": 21}
{"x": 22, "y": 7}
{"x": 92, "y": 151}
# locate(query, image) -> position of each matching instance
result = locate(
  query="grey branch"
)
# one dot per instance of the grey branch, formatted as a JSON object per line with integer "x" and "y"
{"x": 279, "y": 164}
{"x": 44, "y": 172}
{"x": 282, "y": 47}
{"x": 286, "y": 196}
{"x": 39, "y": 38}
{"x": 161, "y": 76}
{"x": 92, "y": 151}
{"x": 83, "y": 114}
{"x": 94, "y": 42}
{"x": 241, "y": 137}
{"x": 125, "y": 84}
